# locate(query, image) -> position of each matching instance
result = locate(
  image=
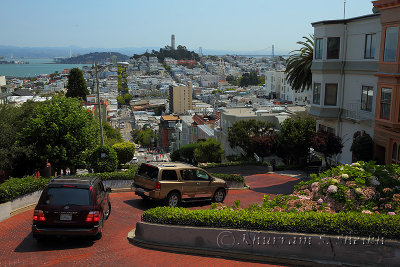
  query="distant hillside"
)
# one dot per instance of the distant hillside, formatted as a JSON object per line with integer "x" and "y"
{"x": 91, "y": 58}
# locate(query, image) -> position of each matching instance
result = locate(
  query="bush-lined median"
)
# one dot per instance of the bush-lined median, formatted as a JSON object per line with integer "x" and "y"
{"x": 350, "y": 223}
{"x": 16, "y": 187}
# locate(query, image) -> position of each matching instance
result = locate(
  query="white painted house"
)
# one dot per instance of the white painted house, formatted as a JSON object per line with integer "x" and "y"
{"x": 346, "y": 57}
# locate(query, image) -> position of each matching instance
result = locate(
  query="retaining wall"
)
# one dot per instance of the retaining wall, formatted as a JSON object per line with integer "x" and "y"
{"x": 293, "y": 248}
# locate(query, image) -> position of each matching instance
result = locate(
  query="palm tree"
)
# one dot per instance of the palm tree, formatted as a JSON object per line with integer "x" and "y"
{"x": 298, "y": 65}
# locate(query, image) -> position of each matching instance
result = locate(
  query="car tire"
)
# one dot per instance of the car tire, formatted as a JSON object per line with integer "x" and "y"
{"x": 173, "y": 199}
{"x": 219, "y": 195}
{"x": 108, "y": 212}
{"x": 99, "y": 235}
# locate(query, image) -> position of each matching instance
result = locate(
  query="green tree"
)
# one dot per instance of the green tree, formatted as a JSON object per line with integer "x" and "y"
{"x": 146, "y": 137}
{"x": 76, "y": 86}
{"x": 298, "y": 65}
{"x": 176, "y": 155}
{"x": 128, "y": 98}
{"x": 120, "y": 100}
{"x": 60, "y": 130}
{"x": 241, "y": 132}
{"x": 209, "y": 151}
{"x": 187, "y": 152}
{"x": 125, "y": 151}
{"x": 103, "y": 159}
{"x": 112, "y": 135}
{"x": 295, "y": 139}
{"x": 327, "y": 143}
{"x": 362, "y": 147}
{"x": 15, "y": 159}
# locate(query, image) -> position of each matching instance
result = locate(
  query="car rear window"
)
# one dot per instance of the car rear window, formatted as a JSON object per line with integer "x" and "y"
{"x": 148, "y": 171}
{"x": 60, "y": 196}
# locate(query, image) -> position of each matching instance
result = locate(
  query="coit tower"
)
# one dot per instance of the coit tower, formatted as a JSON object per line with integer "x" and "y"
{"x": 173, "y": 41}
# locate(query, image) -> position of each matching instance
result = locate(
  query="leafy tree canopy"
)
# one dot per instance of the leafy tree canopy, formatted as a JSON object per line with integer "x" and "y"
{"x": 103, "y": 159}
{"x": 295, "y": 139}
{"x": 209, "y": 151}
{"x": 327, "y": 143}
{"x": 362, "y": 148}
{"x": 125, "y": 151}
{"x": 60, "y": 130}
{"x": 242, "y": 131}
{"x": 146, "y": 137}
{"x": 76, "y": 86}
{"x": 15, "y": 158}
{"x": 179, "y": 53}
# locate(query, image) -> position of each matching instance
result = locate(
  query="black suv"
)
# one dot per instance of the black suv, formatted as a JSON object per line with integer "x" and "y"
{"x": 72, "y": 206}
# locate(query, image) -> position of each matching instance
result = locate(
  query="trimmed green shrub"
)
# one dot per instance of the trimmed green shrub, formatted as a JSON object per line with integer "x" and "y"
{"x": 350, "y": 223}
{"x": 104, "y": 159}
{"x": 233, "y": 163}
{"x": 229, "y": 177}
{"x": 16, "y": 187}
{"x": 126, "y": 175}
{"x": 125, "y": 151}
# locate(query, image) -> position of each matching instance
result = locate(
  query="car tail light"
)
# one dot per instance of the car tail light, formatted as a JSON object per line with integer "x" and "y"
{"x": 93, "y": 216}
{"x": 38, "y": 215}
{"x": 158, "y": 185}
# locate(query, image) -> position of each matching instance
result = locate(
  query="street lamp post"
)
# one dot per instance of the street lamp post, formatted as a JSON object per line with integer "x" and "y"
{"x": 98, "y": 100}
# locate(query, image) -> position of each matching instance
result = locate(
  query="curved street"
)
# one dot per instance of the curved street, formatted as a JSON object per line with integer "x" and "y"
{"x": 18, "y": 248}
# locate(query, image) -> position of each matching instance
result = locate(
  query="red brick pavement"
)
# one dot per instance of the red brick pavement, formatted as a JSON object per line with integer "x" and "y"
{"x": 18, "y": 248}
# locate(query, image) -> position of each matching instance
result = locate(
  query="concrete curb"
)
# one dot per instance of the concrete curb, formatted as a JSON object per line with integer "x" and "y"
{"x": 282, "y": 247}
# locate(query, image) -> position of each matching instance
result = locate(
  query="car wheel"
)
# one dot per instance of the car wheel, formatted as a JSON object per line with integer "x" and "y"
{"x": 99, "y": 235}
{"x": 107, "y": 213}
{"x": 219, "y": 195}
{"x": 173, "y": 199}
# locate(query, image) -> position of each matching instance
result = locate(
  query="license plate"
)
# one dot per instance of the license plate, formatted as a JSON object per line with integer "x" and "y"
{"x": 65, "y": 217}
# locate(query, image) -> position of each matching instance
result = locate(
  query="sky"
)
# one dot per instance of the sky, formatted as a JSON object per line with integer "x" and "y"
{"x": 233, "y": 25}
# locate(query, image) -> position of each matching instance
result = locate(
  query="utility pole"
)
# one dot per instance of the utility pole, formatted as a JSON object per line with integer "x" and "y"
{"x": 98, "y": 101}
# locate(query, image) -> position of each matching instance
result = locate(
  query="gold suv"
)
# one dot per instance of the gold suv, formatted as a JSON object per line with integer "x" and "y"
{"x": 176, "y": 182}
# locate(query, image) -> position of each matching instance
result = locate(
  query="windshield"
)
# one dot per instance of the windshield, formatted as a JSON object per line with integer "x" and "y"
{"x": 59, "y": 196}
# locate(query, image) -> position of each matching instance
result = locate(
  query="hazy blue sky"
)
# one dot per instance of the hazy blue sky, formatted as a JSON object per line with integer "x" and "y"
{"x": 235, "y": 25}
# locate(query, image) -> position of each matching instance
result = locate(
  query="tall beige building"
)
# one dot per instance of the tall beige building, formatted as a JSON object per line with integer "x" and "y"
{"x": 180, "y": 98}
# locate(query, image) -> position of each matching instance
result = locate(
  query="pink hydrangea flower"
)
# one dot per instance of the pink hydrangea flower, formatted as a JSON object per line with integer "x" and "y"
{"x": 391, "y": 213}
{"x": 332, "y": 189}
{"x": 367, "y": 212}
{"x": 320, "y": 201}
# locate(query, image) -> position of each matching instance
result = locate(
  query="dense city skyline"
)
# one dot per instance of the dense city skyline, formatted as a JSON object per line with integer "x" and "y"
{"x": 214, "y": 25}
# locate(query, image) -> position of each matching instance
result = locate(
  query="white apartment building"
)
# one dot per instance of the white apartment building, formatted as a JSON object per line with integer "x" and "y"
{"x": 277, "y": 86}
{"x": 2, "y": 80}
{"x": 346, "y": 56}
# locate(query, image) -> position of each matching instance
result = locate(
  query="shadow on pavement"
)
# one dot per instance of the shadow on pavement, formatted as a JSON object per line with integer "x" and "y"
{"x": 285, "y": 189}
{"x": 29, "y": 244}
{"x": 149, "y": 204}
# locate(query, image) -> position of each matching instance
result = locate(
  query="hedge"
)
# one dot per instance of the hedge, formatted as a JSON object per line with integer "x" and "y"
{"x": 351, "y": 223}
{"x": 16, "y": 187}
{"x": 105, "y": 176}
{"x": 229, "y": 177}
{"x": 233, "y": 163}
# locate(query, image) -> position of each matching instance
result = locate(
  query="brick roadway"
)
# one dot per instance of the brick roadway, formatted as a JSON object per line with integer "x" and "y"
{"x": 18, "y": 248}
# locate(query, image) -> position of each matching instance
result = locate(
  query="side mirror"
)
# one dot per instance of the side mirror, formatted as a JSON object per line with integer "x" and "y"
{"x": 211, "y": 178}
{"x": 108, "y": 189}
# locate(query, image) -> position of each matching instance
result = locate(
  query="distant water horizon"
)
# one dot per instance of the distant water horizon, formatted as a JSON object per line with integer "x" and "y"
{"x": 36, "y": 67}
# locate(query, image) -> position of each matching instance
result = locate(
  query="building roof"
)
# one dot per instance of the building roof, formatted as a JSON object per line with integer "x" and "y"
{"x": 22, "y": 92}
{"x": 170, "y": 118}
{"x": 344, "y": 21}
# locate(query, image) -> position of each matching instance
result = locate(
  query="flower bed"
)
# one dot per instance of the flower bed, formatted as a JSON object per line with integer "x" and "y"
{"x": 361, "y": 186}
{"x": 252, "y": 218}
